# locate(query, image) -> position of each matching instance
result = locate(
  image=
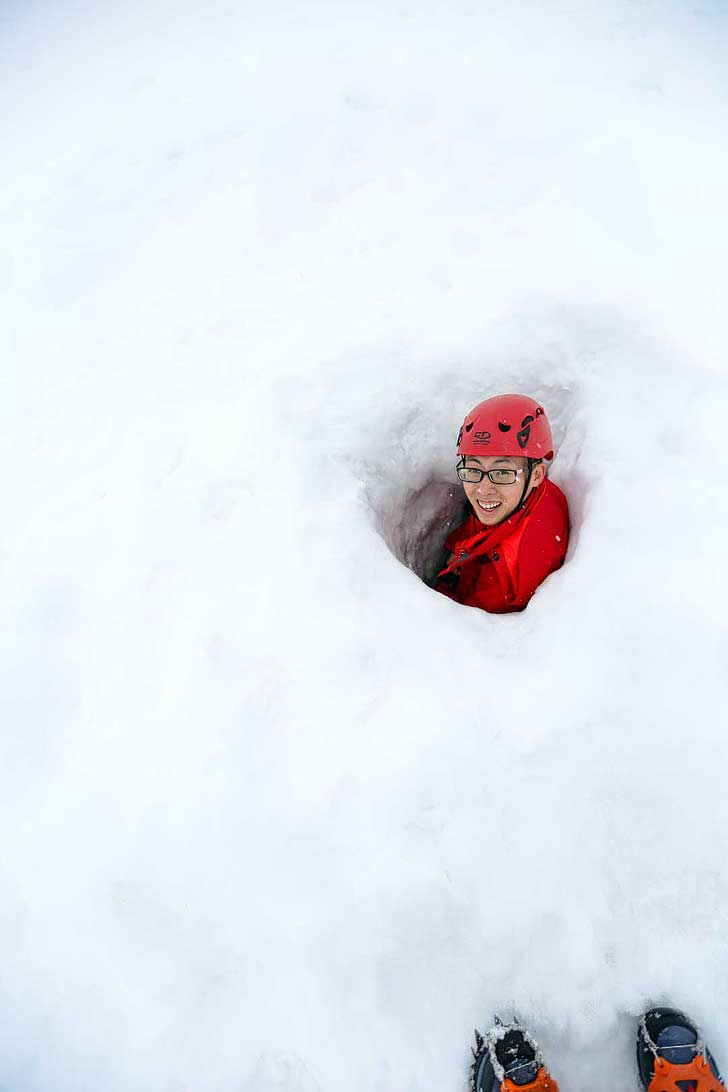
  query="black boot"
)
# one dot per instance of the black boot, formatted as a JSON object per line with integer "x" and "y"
{"x": 670, "y": 1045}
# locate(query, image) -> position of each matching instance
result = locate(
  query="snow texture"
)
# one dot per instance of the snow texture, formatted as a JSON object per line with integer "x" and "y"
{"x": 275, "y": 814}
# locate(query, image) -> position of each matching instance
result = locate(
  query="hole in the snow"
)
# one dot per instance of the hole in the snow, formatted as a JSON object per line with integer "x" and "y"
{"x": 413, "y": 489}
{"x": 416, "y": 531}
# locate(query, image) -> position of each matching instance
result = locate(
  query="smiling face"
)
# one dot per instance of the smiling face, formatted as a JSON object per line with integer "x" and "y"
{"x": 494, "y": 503}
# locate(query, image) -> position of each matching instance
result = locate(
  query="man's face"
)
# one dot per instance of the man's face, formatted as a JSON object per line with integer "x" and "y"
{"x": 493, "y": 502}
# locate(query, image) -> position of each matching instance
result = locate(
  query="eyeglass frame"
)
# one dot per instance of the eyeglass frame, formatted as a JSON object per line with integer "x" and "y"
{"x": 487, "y": 473}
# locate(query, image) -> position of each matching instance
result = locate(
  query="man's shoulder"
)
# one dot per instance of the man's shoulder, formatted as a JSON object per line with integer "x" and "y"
{"x": 554, "y": 495}
{"x": 548, "y": 522}
{"x": 553, "y": 506}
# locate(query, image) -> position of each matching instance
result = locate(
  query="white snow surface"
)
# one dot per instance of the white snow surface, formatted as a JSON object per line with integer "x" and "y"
{"x": 275, "y": 814}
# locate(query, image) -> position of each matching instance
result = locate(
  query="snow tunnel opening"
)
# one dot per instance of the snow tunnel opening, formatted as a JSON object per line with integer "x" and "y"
{"x": 416, "y": 527}
{"x": 414, "y": 492}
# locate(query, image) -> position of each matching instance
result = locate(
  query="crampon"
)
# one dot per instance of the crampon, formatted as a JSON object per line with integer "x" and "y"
{"x": 672, "y": 1055}
{"x": 507, "y": 1058}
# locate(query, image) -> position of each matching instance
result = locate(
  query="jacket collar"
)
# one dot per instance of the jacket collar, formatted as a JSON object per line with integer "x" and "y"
{"x": 484, "y": 540}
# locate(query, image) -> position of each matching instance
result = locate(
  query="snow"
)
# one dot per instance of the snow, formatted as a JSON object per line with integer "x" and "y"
{"x": 276, "y": 815}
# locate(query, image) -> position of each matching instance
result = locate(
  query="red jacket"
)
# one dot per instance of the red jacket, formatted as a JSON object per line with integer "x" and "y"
{"x": 499, "y": 568}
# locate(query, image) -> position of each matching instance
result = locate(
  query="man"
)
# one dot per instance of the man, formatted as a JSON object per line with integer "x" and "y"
{"x": 518, "y": 530}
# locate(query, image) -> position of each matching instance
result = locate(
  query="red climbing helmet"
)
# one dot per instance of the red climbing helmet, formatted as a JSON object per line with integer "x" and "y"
{"x": 509, "y": 424}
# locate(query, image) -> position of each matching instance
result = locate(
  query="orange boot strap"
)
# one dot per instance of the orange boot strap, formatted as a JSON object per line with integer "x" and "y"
{"x": 543, "y": 1082}
{"x": 696, "y": 1076}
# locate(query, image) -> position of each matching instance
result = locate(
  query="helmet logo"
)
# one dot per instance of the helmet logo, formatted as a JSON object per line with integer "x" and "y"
{"x": 525, "y": 430}
{"x": 482, "y": 438}
{"x": 503, "y": 427}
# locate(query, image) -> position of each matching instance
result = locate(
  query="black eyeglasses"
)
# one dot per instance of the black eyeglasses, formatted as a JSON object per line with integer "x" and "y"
{"x": 499, "y": 476}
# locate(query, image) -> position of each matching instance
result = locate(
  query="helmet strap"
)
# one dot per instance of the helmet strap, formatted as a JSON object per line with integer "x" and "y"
{"x": 531, "y": 464}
